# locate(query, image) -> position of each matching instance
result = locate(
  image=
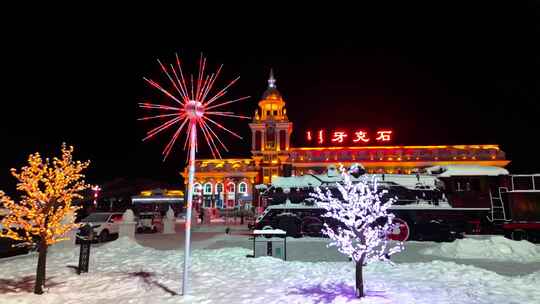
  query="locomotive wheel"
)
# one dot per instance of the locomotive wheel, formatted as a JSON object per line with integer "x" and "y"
{"x": 400, "y": 232}
{"x": 311, "y": 226}
{"x": 290, "y": 224}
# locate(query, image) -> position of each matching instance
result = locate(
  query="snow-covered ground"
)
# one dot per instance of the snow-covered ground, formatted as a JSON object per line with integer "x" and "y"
{"x": 125, "y": 272}
{"x": 496, "y": 248}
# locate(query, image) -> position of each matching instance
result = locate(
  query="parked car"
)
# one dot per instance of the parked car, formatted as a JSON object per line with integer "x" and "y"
{"x": 8, "y": 246}
{"x": 148, "y": 221}
{"x": 106, "y": 224}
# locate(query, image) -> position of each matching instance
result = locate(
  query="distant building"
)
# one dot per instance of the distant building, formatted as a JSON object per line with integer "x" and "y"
{"x": 158, "y": 200}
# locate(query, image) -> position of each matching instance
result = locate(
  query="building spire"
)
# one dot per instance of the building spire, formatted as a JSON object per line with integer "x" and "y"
{"x": 271, "y": 80}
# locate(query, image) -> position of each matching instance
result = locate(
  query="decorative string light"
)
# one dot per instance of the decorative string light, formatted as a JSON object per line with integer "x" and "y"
{"x": 45, "y": 212}
{"x": 364, "y": 220}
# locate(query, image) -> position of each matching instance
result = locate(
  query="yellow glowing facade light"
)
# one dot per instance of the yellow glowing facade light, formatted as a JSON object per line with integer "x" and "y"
{"x": 175, "y": 193}
{"x": 460, "y": 147}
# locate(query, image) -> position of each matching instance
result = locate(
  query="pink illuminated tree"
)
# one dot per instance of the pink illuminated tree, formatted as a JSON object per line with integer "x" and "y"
{"x": 363, "y": 222}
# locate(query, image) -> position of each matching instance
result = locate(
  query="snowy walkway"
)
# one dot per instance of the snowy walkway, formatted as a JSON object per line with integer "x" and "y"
{"x": 126, "y": 272}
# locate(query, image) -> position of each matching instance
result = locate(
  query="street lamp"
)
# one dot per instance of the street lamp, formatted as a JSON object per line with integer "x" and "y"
{"x": 96, "y": 190}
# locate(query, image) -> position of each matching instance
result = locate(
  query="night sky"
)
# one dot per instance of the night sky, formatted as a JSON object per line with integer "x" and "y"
{"x": 435, "y": 75}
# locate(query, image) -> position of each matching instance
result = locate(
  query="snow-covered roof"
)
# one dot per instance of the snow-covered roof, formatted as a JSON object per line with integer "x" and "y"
{"x": 408, "y": 180}
{"x": 309, "y": 180}
{"x": 466, "y": 170}
{"x": 269, "y": 231}
{"x": 156, "y": 199}
{"x": 261, "y": 187}
{"x": 302, "y": 181}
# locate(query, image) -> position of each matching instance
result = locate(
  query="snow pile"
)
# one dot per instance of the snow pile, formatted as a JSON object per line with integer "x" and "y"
{"x": 494, "y": 247}
{"x": 125, "y": 272}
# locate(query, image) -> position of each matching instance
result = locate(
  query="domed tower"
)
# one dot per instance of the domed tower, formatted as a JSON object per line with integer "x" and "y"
{"x": 271, "y": 132}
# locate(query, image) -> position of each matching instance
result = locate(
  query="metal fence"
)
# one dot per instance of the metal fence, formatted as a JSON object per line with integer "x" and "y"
{"x": 234, "y": 216}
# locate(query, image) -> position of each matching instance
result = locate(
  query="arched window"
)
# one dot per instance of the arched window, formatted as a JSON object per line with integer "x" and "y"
{"x": 197, "y": 188}
{"x": 242, "y": 187}
{"x": 282, "y": 139}
{"x": 230, "y": 187}
{"x": 208, "y": 188}
{"x": 258, "y": 140}
{"x": 219, "y": 188}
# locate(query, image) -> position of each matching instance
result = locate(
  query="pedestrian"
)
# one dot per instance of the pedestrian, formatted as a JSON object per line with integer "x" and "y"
{"x": 201, "y": 215}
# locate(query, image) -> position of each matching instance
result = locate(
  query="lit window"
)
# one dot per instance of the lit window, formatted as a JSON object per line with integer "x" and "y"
{"x": 219, "y": 188}
{"x": 197, "y": 188}
{"x": 242, "y": 187}
{"x": 230, "y": 187}
{"x": 208, "y": 188}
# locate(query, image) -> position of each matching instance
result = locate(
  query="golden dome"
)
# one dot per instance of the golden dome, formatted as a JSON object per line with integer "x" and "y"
{"x": 271, "y": 104}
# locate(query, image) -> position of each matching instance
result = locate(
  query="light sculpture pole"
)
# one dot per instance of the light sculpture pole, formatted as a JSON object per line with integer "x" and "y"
{"x": 193, "y": 105}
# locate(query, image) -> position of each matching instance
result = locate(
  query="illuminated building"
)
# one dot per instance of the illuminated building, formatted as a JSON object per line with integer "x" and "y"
{"x": 158, "y": 200}
{"x": 228, "y": 183}
{"x": 394, "y": 159}
{"x": 271, "y": 132}
{"x": 158, "y": 196}
{"x": 224, "y": 183}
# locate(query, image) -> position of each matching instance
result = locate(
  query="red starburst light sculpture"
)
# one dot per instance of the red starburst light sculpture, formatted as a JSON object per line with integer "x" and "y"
{"x": 192, "y": 107}
{"x": 191, "y": 111}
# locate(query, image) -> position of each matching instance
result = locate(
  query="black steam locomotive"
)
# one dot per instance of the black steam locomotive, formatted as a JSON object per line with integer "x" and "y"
{"x": 440, "y": 204}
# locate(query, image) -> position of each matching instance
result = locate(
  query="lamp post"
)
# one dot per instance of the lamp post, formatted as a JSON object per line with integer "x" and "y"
{"x": 96, "y": 190}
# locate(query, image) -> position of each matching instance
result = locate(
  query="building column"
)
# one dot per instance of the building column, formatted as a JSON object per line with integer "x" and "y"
{"x": 288, "y": 133}
{"x": 263, "y": 140}
{"x": 278, "y": 136}
{"x": 236, "y": 192}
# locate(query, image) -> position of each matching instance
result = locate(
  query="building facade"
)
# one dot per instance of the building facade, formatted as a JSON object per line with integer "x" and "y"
{"x": 224, "y": 183}
{"x": 230, "y": 183}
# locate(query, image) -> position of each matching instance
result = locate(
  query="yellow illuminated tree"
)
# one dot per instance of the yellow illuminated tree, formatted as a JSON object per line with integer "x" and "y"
{"x": 44, "y": 213}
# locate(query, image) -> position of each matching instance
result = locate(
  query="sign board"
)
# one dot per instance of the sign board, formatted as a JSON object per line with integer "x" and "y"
{"x": 341, "y": 137}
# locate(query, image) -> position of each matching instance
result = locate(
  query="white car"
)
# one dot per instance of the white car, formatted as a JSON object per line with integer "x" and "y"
{"x": 105, "y": 224}
{"x": 148, "y": 222}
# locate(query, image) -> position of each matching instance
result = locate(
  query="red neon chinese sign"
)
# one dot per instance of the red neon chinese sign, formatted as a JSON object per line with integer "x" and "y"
{"x": 322, "y": 136}
{"x": 384, "y": 135}
{"x": 361, "y": 136}
{"x": 339, "y": 136}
